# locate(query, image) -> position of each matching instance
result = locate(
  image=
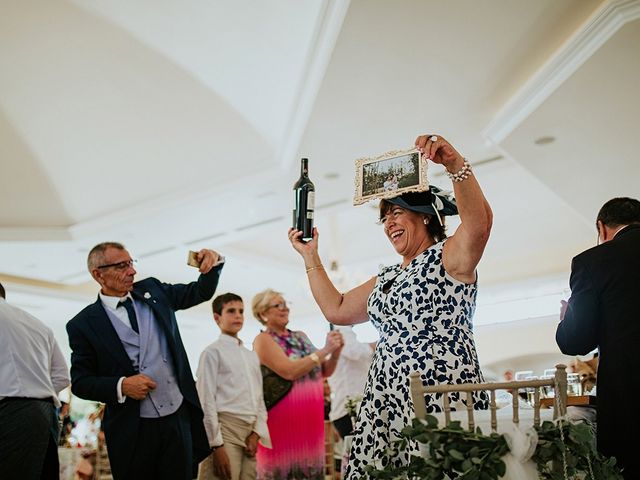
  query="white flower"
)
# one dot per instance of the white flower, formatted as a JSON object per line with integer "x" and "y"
{"x": 352, "y": 405}
{"x": 147, "y": 295}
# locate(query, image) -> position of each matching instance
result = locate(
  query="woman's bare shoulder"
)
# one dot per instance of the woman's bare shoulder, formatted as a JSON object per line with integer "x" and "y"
{"x": 262, "y": 338}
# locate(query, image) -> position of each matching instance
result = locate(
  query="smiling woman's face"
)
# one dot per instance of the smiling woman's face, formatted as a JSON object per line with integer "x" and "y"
{"x": 276, "y": 316}
{"x": 406, "y": 231}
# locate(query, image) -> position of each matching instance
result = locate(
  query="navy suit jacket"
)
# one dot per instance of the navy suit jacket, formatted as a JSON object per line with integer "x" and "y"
{"x": 604, "y": 313}
{"x": 99, "y": 360}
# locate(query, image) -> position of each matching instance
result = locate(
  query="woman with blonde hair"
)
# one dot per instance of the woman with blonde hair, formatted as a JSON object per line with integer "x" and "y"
{"x": 296, "y": 422}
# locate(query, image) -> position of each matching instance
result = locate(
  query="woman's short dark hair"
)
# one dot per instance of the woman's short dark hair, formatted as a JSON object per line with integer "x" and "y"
{"x": 221, "y": 300}
{"x": 436, "y": 231}
{"x": 2, "y": 292}
{"x": 620, "y": 211}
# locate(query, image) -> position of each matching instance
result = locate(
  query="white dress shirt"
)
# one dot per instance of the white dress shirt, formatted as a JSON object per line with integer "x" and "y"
{"x": 111, "y": 304}
{"x": 350, "y": 375}
{"x": 31, "y": 363}
{"x": 229, "y": 380}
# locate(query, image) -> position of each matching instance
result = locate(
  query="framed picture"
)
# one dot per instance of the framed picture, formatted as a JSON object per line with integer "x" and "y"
{"x": 389, "y": 175}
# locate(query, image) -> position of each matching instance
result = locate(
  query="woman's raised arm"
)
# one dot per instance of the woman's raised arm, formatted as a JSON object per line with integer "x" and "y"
{"x": 463, "y": 251}
{"x": 338, "y": 308}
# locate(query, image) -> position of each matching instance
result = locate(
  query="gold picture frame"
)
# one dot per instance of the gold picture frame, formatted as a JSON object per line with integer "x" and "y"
{"x": 389, "y": 175}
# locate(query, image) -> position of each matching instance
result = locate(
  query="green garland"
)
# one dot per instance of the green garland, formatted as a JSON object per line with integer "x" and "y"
{"x": 453, "y": 451}
{"x": 575, "y": 444}
{"x": 469, "y": 455}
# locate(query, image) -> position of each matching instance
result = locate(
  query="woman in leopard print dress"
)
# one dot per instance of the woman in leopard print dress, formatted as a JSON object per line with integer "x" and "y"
{"x": 422, "y": 307}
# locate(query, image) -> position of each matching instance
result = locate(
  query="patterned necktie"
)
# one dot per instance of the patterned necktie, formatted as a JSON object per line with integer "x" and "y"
{"x": 128, "y": 304}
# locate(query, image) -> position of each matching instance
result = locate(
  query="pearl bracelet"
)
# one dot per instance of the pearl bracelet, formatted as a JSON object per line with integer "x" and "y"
{"x": 462, "y": 174}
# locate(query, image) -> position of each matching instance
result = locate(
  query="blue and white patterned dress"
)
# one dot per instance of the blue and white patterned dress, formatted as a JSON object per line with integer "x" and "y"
{"x": 424, "y": 322}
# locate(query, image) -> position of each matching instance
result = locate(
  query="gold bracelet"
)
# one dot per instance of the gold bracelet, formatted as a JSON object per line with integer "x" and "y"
{"x": 317, "y": 267}
{"x": 314, "y": 356}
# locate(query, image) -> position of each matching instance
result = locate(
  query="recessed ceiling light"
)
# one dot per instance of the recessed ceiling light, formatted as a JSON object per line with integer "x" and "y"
{"x": 331, "y": 175}
{"x": 545, "y": 140}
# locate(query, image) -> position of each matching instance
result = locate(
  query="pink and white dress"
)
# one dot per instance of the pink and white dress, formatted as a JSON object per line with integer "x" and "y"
{"x": 296, "y": 423}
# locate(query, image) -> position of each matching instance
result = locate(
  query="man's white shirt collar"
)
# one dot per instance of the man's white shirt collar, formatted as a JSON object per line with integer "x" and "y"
{"x": 112, "y": 302}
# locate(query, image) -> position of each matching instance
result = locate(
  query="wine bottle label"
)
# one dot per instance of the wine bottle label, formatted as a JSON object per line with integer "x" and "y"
{"x": 310, "y": 215}
{"x": 311, "y": 202}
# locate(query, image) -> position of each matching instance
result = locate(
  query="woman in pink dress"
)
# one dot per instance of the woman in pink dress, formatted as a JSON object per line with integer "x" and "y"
{"x": 296, "y": 422}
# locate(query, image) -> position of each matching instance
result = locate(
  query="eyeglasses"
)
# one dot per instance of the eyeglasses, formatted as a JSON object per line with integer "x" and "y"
{"x": 280, "y": 306}
{"x": 120, "y": 265}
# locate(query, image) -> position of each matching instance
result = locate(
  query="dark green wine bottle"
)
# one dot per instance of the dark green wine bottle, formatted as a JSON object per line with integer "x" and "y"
{"x": 304, "y": 202}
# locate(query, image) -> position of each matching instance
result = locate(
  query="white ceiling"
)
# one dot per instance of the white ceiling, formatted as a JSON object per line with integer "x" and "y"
{"x": 178, "y": 125}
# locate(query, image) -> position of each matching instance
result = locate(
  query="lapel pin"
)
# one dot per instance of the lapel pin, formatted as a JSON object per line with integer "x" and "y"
{"x": 147, "y": 295}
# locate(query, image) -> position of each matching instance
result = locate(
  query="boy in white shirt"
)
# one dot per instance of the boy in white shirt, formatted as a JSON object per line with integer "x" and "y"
{"x": 230, "y": 389}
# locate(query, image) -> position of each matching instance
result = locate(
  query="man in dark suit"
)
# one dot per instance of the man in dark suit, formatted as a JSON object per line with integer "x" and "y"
{"x": 127, "y": 353}
{"x": 603, "y": 312}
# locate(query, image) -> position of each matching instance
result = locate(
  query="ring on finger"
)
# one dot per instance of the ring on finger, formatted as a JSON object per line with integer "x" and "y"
{"x": 433, "y": 138}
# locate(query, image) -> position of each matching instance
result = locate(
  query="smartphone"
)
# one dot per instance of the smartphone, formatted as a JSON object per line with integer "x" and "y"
{"x": 192, "y": 259}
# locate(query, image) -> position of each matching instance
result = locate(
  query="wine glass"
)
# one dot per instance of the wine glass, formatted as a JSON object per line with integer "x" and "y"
{"x": 522, "y": 375}
{"x": 574, "y": 387}
{"x": 548, "y": 391}
{"x": 531, "y": 390}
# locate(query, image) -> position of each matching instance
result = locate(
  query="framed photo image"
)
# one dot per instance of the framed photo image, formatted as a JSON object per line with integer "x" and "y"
{"x": 389, "y": 175}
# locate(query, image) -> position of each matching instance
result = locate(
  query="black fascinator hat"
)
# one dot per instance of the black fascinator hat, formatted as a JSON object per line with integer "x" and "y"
{"x": 435, "y": 202}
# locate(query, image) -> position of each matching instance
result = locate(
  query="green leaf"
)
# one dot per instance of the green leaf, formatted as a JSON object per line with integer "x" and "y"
{"x": 432, "y": 421}
{"x": 456, "y": 455}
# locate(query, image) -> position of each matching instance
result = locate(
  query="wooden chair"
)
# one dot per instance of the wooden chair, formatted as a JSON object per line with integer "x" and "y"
{"x": 103, "y": 467}
{"x": 558, "y": 382}
{"x": 329, "y": 462}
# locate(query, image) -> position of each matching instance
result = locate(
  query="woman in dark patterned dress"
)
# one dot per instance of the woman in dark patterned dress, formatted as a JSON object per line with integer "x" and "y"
{"x": 422, "y": 307}
{"x": 296, "y": 423}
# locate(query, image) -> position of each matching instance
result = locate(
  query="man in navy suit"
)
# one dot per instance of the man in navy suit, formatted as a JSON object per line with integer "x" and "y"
{"x": 603, "y": 313}
{"x": 127, "y": 353}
